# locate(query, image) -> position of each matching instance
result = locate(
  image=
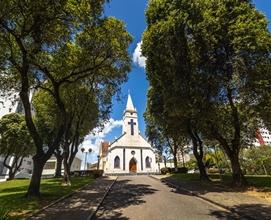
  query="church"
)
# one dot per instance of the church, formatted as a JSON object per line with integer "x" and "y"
{"x": 130, "y": 153}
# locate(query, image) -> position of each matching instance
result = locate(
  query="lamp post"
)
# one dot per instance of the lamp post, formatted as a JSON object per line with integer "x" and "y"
{"x": 86, "y": 153}
{"x": 89, "y": 151}
{"x": 98, "y": 163}
{"x": 83, "y": 150}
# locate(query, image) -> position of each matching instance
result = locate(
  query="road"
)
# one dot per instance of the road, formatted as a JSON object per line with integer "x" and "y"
{"x": 142, "y": 197}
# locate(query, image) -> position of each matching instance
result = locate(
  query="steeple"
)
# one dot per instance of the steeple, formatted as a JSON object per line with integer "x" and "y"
{"x": 130, "y": 105}
{"x": 130, "y": 122}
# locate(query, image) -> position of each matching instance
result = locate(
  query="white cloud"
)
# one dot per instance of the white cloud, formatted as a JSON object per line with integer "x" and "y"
{"x": 94, "y": 139}
{"x": 138, "y": 58}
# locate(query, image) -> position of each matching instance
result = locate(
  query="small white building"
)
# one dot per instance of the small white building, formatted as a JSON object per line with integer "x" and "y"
{"x": 50, "y": 166}
{"x": 130, "y": 153}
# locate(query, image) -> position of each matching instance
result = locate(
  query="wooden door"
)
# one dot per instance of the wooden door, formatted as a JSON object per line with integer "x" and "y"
{"x": 132, "y": 165}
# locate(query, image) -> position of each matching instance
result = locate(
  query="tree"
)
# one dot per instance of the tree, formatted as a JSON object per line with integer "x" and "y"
{"x": 84, "y": 114}
{"x": 206, "y": 73}
{"x": 171, "y": 73}
{"x": 49, "y": 45}
{"x": 157, "y": 137}
{"x": 15, "y": 141}
{"x": 238, "y": 52}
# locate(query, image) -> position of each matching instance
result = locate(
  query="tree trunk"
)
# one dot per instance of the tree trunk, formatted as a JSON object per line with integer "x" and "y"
{"x": 198, "y": 153}
{"x": 183, "y": 157}
{"x": 238, "y": 178}
{"x": 59, "y": 159}
{"x": 165, "y": 161}
{"x": 173, "y": 149}
{"x": 34, "y": 186}
{"x": 11, "y": 176}
{"x": 264, "y": 168}
{"x": 201, "y": 166}
{"x": 66, "y": 179}
{"x": 66, "y": 154}
{"x": 175, "y": 162}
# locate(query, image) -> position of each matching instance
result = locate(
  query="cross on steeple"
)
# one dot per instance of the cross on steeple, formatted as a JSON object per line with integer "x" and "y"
{"x": 132, "y": 123}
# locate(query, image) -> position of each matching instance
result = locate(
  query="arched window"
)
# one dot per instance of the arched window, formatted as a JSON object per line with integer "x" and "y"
{"x": 117, "y": 162}
{"x": 148, "y": 163}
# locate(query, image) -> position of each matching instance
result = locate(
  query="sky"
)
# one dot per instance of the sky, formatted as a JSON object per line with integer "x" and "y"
{"x": 131, "y": 12}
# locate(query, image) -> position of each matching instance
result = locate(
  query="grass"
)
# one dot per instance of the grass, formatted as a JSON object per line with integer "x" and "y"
{"x": 13, "y": 200}
{"x": 261, "y": 182}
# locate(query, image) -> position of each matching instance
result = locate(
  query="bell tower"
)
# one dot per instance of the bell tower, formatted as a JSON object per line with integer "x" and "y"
{"x": 130, "y": 122}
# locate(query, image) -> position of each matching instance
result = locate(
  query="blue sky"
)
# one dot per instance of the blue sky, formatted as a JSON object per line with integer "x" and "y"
{"x": 132, "y": 13}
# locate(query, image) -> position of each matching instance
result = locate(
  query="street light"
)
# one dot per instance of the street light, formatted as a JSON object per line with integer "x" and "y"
{"x": 86, "y": 153}
{"x": 98, "y": 163}
{"x": 89, "y": 151}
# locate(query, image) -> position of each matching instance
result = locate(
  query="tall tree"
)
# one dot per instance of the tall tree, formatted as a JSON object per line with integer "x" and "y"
{"x": 206, "y": 73}
{"x": 84, "y": 114}
{"x": 15, "y": 142}
{"x": 160, "y": 140}
{"x": 60, "y": 43}
{"x": 172, "y": 73}
{"x": 238, "y": 52}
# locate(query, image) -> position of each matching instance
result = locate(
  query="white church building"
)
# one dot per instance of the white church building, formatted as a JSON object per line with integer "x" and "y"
{"x": 130, "y": 153}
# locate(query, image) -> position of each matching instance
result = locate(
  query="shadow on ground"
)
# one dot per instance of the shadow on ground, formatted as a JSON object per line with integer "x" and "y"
{"x": 249, "y": 210}
{"x": 244, "y": 212}
{"x": 122, "y": 195}
{"x": 77, "y": 206}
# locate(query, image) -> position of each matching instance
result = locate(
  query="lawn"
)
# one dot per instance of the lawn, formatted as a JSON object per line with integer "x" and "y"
{"x": 261, "y": 182}
{"x": 12, "y": 195}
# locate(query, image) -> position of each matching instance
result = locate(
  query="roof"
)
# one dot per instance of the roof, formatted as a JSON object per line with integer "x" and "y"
{"x": 130, "y": 105}
{"x": 105, "y": 146}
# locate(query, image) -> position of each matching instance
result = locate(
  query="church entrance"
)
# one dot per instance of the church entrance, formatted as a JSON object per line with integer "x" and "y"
{"x": 132, "y": 165}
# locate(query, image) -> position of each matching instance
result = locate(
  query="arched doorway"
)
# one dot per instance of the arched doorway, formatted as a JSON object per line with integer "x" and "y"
{"x": 132, "y": 165}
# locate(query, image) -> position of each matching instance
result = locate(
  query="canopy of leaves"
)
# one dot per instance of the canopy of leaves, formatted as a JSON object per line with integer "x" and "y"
{"x": 15, "y": 139}
{"x": 257, "y": 160}
{"x": 52, "y": 45}
{"x": 212, "y": 53}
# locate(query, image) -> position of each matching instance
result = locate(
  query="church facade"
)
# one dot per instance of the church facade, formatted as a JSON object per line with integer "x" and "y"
{"x": 130, "y": 153}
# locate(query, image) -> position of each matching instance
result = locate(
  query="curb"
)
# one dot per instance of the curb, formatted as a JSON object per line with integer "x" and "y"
{"x": 203, "y": 198}
{"x": 93, "y": 214}
{"x": 56, "y": 201}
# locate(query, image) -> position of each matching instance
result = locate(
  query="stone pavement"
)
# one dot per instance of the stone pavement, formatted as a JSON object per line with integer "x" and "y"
{"x": 144, "y": 198}
{"x": 245, "y": 205}
{"x": 79, "y": 205}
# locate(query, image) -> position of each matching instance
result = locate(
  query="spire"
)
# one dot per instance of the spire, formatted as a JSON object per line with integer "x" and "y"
{"x": 130, "y": 105}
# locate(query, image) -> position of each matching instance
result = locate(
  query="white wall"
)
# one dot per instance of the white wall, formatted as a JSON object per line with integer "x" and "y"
{"x": 109, "y": 168}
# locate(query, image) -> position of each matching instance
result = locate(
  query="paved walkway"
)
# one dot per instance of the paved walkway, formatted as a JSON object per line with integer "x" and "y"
{"x": 78, "y": 206}
{"x": 239, "y": 202}
{"x": 142, "y": 197}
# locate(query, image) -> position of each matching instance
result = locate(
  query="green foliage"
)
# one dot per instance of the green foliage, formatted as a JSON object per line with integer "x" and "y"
{"x": 257, "y": 160}
{"x": 164, "y": 170}
{"x": 15, "y": 139}
{"x": 192, "y": 163}
{"x": 216, "y": 158}
{"x": 4, "y": 213}
{"x": 215, "y": 54}
{"x": 182, "y": 170}
{"x": 53, "y": 45}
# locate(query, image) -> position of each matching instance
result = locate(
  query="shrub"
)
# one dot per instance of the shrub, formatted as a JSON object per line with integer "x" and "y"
{"x": 213, "y": 170}
{"x": 4, "y": 214}
{"x": 92, "y": 173}
{"x": 182, "y": 169}
{"x": 165, "y": 170}
{"x": 97, "y": 173}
